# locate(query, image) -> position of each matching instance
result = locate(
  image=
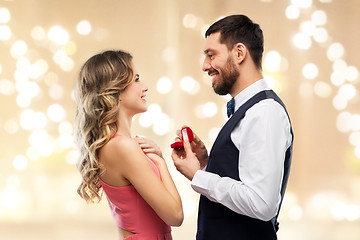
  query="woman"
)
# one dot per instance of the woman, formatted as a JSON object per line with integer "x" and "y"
{"x": 142, "y": 196}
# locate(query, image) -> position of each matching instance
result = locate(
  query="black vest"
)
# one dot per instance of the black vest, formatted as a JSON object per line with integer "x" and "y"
{"x": 217, "y": 222}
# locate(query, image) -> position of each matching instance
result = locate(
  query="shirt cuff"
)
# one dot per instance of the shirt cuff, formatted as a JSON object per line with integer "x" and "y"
{"x": 200, "y": 182}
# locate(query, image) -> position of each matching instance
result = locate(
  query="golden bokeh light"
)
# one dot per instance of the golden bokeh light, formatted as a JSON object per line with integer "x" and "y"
{"x": 308, "y": 60}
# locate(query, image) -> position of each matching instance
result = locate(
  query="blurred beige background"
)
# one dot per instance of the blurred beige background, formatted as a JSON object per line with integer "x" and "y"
{"x": 310, "y": 59}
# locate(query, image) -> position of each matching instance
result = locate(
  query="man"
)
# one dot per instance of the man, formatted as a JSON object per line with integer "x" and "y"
{"x": 243, "y": 180}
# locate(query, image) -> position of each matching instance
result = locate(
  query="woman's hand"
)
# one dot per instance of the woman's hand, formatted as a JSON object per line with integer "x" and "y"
{"x": 148, "y": 146}
{"x": 156, "y": 159}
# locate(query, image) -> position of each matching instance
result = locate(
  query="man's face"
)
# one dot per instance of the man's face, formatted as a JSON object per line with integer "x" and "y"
{"x": 219, "y": 65}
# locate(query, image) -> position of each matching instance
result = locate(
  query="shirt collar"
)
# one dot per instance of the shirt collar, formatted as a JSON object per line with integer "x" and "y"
{"x": 250, "y": 91}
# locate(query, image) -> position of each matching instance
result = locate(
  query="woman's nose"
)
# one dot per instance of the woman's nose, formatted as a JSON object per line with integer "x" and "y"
{"x": 145, "y": 88}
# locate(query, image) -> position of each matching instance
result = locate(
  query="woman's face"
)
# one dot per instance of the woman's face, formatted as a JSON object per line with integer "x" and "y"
{"x": 133, "y": 98}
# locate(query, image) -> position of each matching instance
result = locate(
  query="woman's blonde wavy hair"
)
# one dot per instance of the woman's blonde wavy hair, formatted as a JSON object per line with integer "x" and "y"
{"x": 101, "y": 80}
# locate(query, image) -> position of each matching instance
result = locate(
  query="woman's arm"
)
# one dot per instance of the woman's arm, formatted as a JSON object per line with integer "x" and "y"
{"x": 166, "y": 179}
{"x": 129, "y": 162}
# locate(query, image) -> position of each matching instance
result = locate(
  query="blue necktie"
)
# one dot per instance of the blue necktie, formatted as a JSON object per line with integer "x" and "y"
{"x": 230, "y": 107}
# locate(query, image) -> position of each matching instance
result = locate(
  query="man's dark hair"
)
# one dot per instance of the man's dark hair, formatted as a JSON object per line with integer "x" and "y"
{"x": 240, "y": 29}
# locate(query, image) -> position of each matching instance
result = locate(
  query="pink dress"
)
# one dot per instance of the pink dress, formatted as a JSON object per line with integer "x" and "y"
{"x": 132, "y": 213}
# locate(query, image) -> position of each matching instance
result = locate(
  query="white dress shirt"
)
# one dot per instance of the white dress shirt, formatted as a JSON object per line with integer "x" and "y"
{"x": 262, "y": 137}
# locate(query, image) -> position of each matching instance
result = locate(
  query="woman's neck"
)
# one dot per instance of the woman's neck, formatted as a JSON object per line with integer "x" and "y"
{"x": 124, "y": 123}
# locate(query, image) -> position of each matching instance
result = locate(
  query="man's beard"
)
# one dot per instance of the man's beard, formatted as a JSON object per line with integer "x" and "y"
{"x": 228, "y": 79}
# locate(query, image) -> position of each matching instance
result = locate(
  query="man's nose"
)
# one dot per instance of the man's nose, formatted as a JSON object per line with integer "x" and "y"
{"x": 206, "y": 66}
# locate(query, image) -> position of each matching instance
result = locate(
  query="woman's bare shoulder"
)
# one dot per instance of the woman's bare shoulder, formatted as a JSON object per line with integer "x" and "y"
{"x": 120, "y": 148}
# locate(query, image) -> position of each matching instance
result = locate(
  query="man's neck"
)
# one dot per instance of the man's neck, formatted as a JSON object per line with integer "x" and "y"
{"x": 245, "y": 81}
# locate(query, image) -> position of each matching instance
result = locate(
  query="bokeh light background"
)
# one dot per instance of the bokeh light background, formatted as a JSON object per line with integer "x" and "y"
{"x": 310, "y": 59}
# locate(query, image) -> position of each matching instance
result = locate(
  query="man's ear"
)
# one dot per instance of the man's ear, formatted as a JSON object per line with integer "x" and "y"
{"x": 240, "y": 52}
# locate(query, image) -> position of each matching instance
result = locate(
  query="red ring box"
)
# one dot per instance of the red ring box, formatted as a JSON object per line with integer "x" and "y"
{"x": 184, "y": 131}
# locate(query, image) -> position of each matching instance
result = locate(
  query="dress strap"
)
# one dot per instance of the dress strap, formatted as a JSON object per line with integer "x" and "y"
{"x": 115, "y": 135}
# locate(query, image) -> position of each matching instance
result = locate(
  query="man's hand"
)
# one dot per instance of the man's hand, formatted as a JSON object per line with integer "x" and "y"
{"x": 197, "y": 146}
{"x": 186, "y": 161}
